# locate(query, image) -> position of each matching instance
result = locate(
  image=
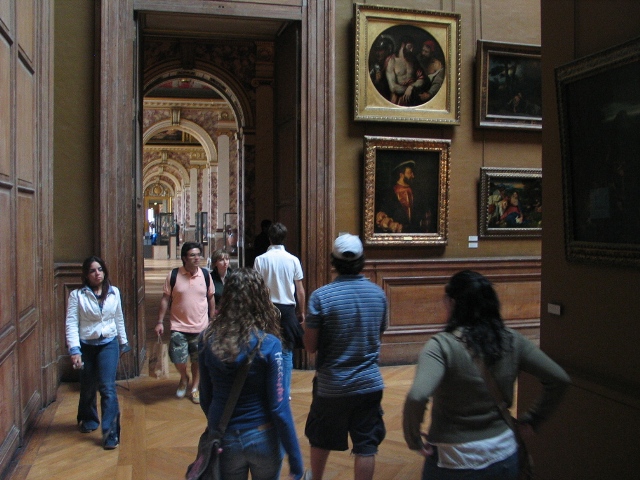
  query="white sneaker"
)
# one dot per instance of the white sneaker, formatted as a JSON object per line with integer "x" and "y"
{"x": 307, "y": 475}
{"x": 182, "y": 389}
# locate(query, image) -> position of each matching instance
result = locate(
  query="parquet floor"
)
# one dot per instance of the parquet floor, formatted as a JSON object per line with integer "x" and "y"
{"x": 160, "y": 432}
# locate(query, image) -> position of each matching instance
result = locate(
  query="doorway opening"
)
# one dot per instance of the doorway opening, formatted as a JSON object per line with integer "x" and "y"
{"x": 213, "y": 153}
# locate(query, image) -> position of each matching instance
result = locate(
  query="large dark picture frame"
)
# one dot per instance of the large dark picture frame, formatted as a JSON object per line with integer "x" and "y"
{"x": 406, "y": 183}
{"x": 407, "y": 65}
{"x": 599, "y": 107}
{"x": 510, "y": 202}
{"x": 508, "y": 85}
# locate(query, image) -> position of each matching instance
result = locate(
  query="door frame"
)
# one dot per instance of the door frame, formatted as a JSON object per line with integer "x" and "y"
{"x": 119, "y": 208}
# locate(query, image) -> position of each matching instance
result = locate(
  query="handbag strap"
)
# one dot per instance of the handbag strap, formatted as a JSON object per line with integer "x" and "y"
{"x": 493, "y": 388}
{"x": 238, "y": 383}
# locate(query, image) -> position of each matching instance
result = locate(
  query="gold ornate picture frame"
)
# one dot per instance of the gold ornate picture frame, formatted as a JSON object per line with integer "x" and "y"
{"x": 601, "y": 155}
{"x": 407, "y": 65}
{"x": 510, "y": 202}
{"x": 406, "y": 184}
{"x": 508, "y": 86}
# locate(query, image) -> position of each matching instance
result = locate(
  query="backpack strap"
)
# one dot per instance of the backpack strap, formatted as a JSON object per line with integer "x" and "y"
{"x": 207, "y": 278}
{"x": 174, "y": 276}
{"x": 172, "y": 281}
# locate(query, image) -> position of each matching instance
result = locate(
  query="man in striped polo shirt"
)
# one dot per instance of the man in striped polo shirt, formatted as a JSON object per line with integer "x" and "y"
{"x": 344, "y": 324}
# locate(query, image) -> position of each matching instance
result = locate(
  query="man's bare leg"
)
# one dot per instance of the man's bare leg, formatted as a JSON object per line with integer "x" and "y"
{"x": 363, "y": 467}
{"x": 195, "y": 375}
{"x": 318, "y": 459}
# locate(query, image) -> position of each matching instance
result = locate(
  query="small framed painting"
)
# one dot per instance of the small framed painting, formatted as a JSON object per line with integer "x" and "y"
{"x": 510, "y": 202}
{"x": 508, "y": 86}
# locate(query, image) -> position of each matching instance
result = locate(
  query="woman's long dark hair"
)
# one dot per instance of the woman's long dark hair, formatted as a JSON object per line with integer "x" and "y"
{"x": 476, "y": 312}
{"x": 245, "y": 309}
{"x": 86, "y": 265}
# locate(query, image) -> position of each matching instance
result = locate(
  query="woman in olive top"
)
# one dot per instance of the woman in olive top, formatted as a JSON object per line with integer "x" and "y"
{"x": 468, "y": 437}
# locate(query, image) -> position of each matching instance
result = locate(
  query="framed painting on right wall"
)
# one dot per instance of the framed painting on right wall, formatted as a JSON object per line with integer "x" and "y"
{"x": 599, "y": 112}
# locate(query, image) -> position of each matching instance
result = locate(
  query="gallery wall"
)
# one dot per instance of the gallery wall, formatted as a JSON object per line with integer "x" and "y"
{"x": 471, "y": 148}
{"x": 74, "y": 131}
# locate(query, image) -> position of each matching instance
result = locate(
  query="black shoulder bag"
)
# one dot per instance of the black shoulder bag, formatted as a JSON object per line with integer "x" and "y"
{"x": 207, "y": 462}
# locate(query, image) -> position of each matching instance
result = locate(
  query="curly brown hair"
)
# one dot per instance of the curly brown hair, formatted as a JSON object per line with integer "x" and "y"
{"x": 245, "y": 309}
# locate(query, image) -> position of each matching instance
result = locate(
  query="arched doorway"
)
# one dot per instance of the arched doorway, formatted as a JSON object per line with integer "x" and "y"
{"x": 192, "y": 141}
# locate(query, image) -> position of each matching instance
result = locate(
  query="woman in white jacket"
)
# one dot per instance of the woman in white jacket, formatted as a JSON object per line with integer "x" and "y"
{"x": 94, "y": 323}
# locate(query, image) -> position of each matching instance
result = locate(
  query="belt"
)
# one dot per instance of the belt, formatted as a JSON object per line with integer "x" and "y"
{"x": 259, "y": 428}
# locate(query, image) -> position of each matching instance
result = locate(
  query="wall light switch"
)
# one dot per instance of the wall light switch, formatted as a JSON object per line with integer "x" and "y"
{"x": 554, "y": 309}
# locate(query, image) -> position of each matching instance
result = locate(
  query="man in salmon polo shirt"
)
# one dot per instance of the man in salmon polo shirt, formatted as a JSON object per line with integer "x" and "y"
{"x": 192, "y": 307}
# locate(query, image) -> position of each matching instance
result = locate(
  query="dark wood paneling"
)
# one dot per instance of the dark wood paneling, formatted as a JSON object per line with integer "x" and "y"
{"x": 6, "y": 287}
{"x": 68, "y": 277}
{"x": 25, "y": 202}
{"x": 415, "y": 290}
{"x": 9, "y": 431}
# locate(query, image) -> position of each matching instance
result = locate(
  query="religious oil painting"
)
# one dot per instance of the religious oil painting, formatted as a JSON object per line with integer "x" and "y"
{"x": 510, "y": 202}
{"x": 407, "y": 65}
{"x": 601, "y": 155}
{"x": 406, "y": 191}
{"x": 508, "y": 86}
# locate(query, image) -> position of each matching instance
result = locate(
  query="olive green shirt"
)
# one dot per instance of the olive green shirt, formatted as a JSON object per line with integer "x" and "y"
{"x": 463, "y": 410}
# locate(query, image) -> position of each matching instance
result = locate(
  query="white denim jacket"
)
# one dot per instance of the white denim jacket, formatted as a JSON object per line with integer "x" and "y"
{"x": 85, "y": 321}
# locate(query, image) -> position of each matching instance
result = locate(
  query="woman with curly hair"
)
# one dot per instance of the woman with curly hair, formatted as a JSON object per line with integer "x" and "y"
{"x": 262, "y": 420}
{"x": 468, "y": 436}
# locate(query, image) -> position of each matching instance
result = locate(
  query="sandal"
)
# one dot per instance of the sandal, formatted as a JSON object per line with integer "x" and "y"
{"x": 195, "y": 396}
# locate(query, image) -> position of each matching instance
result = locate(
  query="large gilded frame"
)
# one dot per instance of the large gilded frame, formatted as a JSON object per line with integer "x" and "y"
{"x": 601, "y": 155}
{"x": 373, "y": 23}
{"x": 385, "y": 159}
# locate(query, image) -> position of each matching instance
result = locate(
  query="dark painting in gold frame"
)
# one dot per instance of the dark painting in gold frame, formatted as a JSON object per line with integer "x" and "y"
{"x": 599, "y": 116}
{"x": 406, "y": 183}
{"x": 434, "y": 63}
{"x": 508, "y": 86}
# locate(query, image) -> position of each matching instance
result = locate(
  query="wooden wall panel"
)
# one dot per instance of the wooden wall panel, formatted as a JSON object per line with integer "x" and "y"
{"x": 29, "y": 361}
{"x": 67, "y": 277}
{"x": 5, "y": 12}
{"x": 415, "y": 290}
{"x": 25, "y": 16}
{"x": 5, "y": 108}
{"x": 26, "y": 253}
{"x": 519, "y": 300}
{"x": 26, "y": 126}
{"x": 8, "y": 407}
{"x": 6, "y": 289}
{"x": 412, "y": 302}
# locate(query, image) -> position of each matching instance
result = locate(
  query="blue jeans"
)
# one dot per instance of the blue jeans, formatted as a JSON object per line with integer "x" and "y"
{"x": 99, "y": 374}
{"x": 253, "y": 450}
{"x": 287, "y": 367}
{"x": 506, "y": 469}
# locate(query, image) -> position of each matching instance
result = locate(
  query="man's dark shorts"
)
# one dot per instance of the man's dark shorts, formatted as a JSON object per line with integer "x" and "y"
{"x": 183, "y": 346}
{"x": 360, "y": 416}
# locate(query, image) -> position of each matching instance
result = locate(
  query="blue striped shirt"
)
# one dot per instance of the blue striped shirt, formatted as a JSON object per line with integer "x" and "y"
{"x": 350, "y": 314}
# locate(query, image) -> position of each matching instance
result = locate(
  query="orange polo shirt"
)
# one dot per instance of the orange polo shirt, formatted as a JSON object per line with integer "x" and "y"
{"x": 189, "y": 301}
